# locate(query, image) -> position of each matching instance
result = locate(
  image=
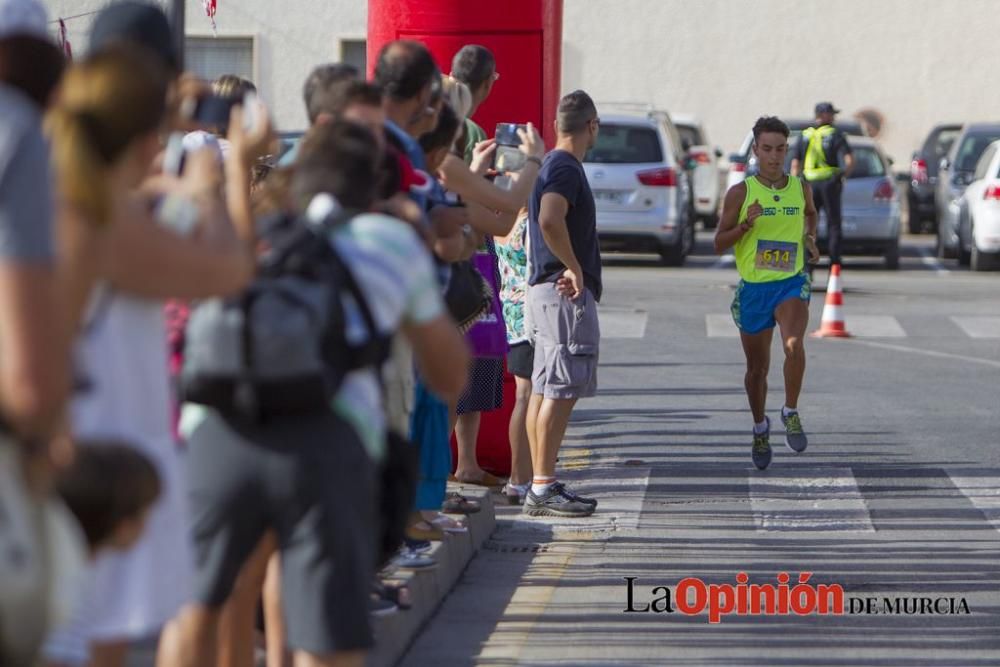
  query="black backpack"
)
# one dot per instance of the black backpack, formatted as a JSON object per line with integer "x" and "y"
{"x": 279, "y": 348}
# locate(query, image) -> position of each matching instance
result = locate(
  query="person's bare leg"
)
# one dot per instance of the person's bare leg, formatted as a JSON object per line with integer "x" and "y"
{"x": 237, "y": 624}
{"x": 189, "y": 639}
{"x": 466, "y": 435}
{"x": 531, "y": 424}
{"x": 108, "y": 654}
{"x": 553, "y": 418}
{"x": 793, "y": 318}
{"x": 757, "y": 348}
{"x": 520, "y": 452}
{"x": 274, "y": 619}
{"x": 342, "y": 659}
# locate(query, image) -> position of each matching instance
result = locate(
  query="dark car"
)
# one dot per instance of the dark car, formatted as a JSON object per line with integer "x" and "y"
{"x": 956, "y": 171}
{"x": 924, "y": 174}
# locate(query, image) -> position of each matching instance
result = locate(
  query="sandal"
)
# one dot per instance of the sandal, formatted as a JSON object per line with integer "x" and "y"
{"x": 456, "y": 503}
{"x": 448, "y": 525}
{"x": 488, "y": 480}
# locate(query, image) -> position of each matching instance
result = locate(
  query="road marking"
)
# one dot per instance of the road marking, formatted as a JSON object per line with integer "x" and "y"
{"x": 927, "y": 353}
{"x": 979, "y": 327}
{"x": 720, "y": 326}
{"x": 827, "y": 500}
{"x": 982, "y": 491}
{"x": 622, "y": 322}
{"x": 874, "y": 326}
{"x": 933, "y": 262}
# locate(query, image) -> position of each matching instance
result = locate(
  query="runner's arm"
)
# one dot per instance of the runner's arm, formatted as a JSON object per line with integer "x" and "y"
{"x": 812, "y": 216}
{"x": 729, "y": 230}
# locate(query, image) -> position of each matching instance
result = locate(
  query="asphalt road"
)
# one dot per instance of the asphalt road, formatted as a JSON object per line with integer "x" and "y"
{"x": 896, "y": 499}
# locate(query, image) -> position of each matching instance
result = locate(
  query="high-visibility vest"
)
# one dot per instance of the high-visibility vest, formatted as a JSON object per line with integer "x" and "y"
{"x": 816, "y": 168}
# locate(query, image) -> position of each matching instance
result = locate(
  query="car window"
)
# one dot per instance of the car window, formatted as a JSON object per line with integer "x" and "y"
{"x": 623, "y": 144}
{"x": 939, "y": 143}
{"x": 971, "y": 148}
{"x": 867, "y": 163}
{"x": 984, "y": 162}
{"x": 692, "y": 135}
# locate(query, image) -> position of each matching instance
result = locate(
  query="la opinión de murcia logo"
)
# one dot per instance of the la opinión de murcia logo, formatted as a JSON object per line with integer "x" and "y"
{"x": 692, "y": 596}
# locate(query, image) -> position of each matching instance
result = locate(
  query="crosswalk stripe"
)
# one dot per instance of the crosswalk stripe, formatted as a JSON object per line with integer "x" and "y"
{"x": 622, "y": 322}
{"x": 721, "y": 326}
{"x": 978, "y": 326}
{"x": 827, "y": 500}
{"x": 982, "y": 490}
{"x": 874, "y": 326}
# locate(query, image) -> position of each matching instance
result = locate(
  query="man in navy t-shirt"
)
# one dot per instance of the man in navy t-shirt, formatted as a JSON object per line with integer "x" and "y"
{"x": 564, "y": 288}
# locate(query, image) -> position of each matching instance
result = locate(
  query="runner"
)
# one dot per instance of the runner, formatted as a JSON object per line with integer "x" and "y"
{"x": 770, "y": 220}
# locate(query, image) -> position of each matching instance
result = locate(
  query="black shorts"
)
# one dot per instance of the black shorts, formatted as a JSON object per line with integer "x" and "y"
{"x": 521, "y": 360}
{"x": 312, "y": 482}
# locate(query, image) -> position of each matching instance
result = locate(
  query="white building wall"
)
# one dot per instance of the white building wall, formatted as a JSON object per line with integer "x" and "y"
{"x": 916, "y": 61}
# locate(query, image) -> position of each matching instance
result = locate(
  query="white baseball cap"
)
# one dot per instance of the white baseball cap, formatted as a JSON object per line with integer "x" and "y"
{"x": 23, "y": 17}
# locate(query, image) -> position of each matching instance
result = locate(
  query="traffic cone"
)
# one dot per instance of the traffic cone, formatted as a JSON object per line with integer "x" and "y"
{"x": 832, "y": 323}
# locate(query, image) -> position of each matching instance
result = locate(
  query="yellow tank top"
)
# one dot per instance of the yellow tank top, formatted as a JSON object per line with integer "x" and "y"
{"x": 773, "y": 249}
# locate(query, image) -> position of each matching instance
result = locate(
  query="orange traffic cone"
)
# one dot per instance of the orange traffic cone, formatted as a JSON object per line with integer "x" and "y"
{"x": 832, "y": 323}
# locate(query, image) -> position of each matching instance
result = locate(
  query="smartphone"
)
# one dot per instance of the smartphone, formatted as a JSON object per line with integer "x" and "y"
{"x": 213, "y": 111}
{"x": 506, "y": 134}
{"x": 508, "y": 157}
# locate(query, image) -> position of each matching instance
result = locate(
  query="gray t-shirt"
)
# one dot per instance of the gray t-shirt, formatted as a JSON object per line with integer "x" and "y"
{"x": 26, "y": 206}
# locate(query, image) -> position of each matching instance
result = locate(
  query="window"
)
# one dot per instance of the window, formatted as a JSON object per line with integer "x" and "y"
{"x": 355, "y": 52}
{"x": 624, "y": 144}
{"x": 984, "y": 162}
{"x": 211, "y": 57}
{"x": 972, "y": 147}
{"x": 691, "y": 135}
{"x": 867, "y": 163}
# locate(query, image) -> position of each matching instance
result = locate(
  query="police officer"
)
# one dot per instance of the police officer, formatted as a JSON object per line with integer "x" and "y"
{"x": 818, "y": 159}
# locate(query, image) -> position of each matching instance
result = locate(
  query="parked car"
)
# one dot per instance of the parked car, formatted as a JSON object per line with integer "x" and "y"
{"x": 979, "y": 228}
{"x": 871, "y": 206}
{"x": 743, "y": 163}
{"x": 956, "y": 172}
{"x": 641, "y": 189}
{"x": 924, "y": 176}
{"x": 703, "y": 162}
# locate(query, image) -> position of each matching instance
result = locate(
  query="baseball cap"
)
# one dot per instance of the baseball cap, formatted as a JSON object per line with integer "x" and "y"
{"x": 23, "y": 17}
{"x": 136, "y": 23}
{"x": 826, "y": 107}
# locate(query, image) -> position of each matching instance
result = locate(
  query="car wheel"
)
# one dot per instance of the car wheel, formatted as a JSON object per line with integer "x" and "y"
{"x": 892, "y": 257}
{"x": 710, "y": 221}
{"x": 940, "y": 250}
{"x": 675, "y": 254}
{"x": 984, "y": 261}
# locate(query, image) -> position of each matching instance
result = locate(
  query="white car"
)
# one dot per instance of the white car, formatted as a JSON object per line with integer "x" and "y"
{"x": 641, "y": 190}
{"x": 703, "y": 164}
{"x": 979, "y": 230}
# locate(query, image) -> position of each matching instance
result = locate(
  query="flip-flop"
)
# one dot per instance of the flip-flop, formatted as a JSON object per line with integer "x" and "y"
{"x": 456, "y": 503}
{"x": 488, "y": 480}
{"x": 448, "y": 525}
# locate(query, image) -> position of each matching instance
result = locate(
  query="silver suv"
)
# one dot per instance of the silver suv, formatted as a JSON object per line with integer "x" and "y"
{"x": 641, "y": 184}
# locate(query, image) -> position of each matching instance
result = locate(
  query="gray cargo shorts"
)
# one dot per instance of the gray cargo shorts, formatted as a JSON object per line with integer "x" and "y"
{"x": 567, "y": 336}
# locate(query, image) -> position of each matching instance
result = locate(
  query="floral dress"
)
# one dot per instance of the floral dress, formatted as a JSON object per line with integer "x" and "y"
{"x": 513, "y": 261}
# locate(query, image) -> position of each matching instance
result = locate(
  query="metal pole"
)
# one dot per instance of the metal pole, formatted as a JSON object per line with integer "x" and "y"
{"x": 178, "y": 26}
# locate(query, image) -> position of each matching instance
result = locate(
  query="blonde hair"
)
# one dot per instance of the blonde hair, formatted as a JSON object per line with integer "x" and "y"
{"x": 106, "y": 102}
{"x": 458, "y": 95}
